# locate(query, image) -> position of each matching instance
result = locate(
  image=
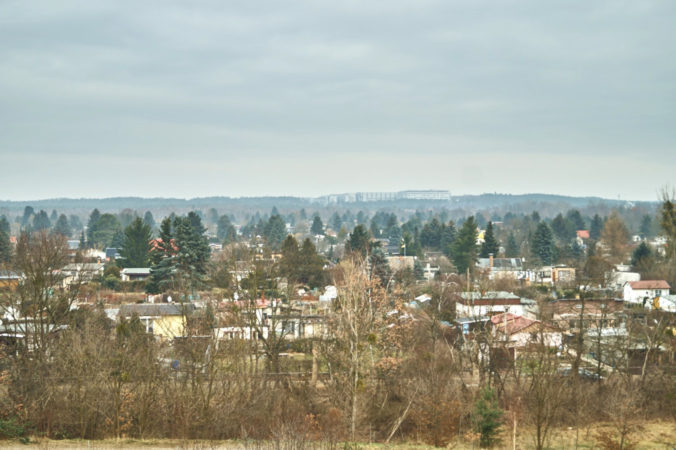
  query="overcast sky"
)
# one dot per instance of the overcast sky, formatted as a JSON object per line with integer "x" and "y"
{"x": 188, "y": 99}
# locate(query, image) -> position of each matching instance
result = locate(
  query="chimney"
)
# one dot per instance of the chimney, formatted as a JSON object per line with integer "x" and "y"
{"x": 490, "y": 261}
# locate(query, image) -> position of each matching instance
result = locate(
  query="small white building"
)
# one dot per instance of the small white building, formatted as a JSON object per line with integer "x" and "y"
{"x": 645, "y": 291}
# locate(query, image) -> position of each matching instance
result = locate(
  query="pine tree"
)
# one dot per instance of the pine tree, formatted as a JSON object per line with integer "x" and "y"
{"x": 488, "y": 417}
{"x": 5, "y": 248}
{"x": 596, "y": 227}
{"x": 359, "y": 241}
{"x": 290, "y": 261}
{"x": 512, "y": 248}
{"x": 4, "y": 225}
{"x": 135, "y": 249}
{"x": 336, "y": 222}
{"x": 94, "y": 218}
{"x": 490, "y": 244}
{"x": 317, "y": 227}
{"x": 447, "y": 238}
{"x": 41, "y": 221}
{"x": 275, "y": 232}
{"x": 28, "y": 214}
{"x": 464, "y": 248}
{"x": 149, "y": 220}
{"x": 641, "y": 255}
{"x": 543, "y": 244}
{"x": 62, "y": 226}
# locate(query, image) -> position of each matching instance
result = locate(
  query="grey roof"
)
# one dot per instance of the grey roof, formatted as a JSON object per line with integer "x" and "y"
{"x": 160, "y": 309}
{"x": 501, "y": 263}
{"x": 474, "y": 295}
{"x": 136, "y": 271}
{"x": 84, "y": 267}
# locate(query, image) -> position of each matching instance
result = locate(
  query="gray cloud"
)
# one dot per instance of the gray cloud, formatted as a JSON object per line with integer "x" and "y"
{"x": 312, "y": 97}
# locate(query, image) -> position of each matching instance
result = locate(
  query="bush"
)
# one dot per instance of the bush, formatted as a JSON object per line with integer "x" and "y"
{"x": 11, "y": 429}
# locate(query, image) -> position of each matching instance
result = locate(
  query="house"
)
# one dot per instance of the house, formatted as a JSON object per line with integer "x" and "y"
{"x": 514, "y": 334}
{"x": 477, "y": 304}
{"x": 644, "y": 292}
{"x": 621, "y": 275}
{"x": 521, "y": 332}
{"x": 80, "y": 273}
{"x": 9, "y": 279}
{"x": 502, "y": 268}
{"x": 163, "y": 320}
{"x": 555, "y": 275}
{"x": 593, "y": 312}
{"x": 134, "y": 273}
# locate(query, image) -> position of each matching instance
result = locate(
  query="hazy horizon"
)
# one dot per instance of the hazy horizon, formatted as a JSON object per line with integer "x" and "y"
{"x": 28, "y": 200}
{"x": 173, "y": 99}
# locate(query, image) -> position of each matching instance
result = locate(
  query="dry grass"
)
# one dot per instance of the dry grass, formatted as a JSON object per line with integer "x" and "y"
{"x": 652, "y": 435}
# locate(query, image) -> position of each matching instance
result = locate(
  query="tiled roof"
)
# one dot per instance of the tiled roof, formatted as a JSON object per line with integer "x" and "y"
{"x": 649, "y": 284}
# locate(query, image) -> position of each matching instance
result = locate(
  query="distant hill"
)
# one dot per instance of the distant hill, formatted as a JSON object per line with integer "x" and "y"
{"x": 546, "y": 204}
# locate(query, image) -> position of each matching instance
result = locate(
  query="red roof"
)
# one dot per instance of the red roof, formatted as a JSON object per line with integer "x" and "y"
{"x": 583, "y": 234}
{"x": 509, "y": 323}
{"x": 649, "y": 284}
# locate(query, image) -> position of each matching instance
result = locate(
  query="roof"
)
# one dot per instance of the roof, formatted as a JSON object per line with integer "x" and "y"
{"x": 649, "y": 284}
{"x": 136, "y": 271}
{"x": 501, "y": 263}
{"x": 161, "y": 309}
{"x": 583, "y": 234}
{"x": 84, "y": 267}
{"x": 510, "y": 324}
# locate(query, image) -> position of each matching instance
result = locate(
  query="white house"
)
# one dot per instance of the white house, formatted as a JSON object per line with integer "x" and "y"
{"x": 645, "y": 291}
{"x": 477, "y": 304}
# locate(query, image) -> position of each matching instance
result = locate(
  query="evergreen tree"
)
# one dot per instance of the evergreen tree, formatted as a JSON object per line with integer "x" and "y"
{"x": 5, "y": 248}
{"x": 562, "y": 229}
{"x": 41, "y": 221}
{"x": 275, "y": 232}
{"x": 225, "y": 231}
{"x": 335, "y": 222}
{"x": 361, "y": 218}
{"x": 290, "y": 260}
{"x": 311, "y": 265}
{"x": 380, "y": 269}
{"x": 163, "y": 258}
{"x": 359, "y": 241}
{"x": 62, "y": 226}
{"x": 28, "y": 213}
{"x": 447, "y": 237}
{"x": 54, "y": 216}
{"x": 641, "y": 255}
{"x": 317, "y": 227}
{"x": 490, "y": 244}
{"x": 646, "y": 226}
{"x": 94, "y": 218}
{"x": 543, "y": 244}
{"x": 105, "y": 230}
{"x": 83, "y": 240}
{"x": 512, "y": 248}
{"x": 488, "y": 417}
{"x": 135, "y": 249}
{"x": 4, "y": 225}
{"x": 149, "y": 220}
{"x": 575, "y": 219}
{"x": 75, "y": 222}
{"x": 118, "y": 239}
{"x": 464, "y": 248}
{"x": 303, "y": 214}
{"x": 596, "y": 227}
